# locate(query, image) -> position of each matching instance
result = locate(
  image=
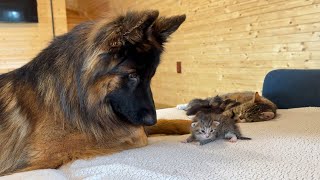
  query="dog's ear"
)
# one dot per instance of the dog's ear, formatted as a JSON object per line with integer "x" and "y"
{"x": 130, "y": 28}
{"x": 164, "y": 27}
{"x": 136, "y": 25}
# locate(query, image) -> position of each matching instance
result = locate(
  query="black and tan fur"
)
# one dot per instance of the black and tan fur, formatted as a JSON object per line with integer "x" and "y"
{"x": 87, "y": 94}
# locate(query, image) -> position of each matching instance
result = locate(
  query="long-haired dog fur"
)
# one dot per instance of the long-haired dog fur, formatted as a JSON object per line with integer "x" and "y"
{"x": 87, "y": 94}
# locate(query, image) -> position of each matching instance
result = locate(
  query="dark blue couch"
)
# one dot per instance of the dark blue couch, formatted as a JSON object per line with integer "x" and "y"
{"x": 290, "y": 88}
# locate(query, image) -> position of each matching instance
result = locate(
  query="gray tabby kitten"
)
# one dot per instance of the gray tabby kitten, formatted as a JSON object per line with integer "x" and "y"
{"x": 207, "y": 127}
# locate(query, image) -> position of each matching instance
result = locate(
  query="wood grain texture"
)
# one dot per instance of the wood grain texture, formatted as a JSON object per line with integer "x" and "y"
{"x": 91, "y": 9}
{"x": 74, "y": 18}
{"x": 80, "y": 11}
{"x": 230, "y": 45}
{"x": 20, "y": 42}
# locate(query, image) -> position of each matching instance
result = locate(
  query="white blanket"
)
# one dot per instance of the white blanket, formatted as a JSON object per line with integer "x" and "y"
{"x": 285, "y": 148}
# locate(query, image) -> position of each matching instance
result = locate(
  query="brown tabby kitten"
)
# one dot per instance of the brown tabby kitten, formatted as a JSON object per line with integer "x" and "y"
{"x": 248, "y": 106}
{"x": 255, "y": 110}
{"x": 207, "y": 127}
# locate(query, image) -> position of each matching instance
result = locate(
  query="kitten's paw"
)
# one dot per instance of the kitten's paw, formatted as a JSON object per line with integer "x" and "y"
{"x": 182, "y": 106}
{"x": 233, "y": 139}
{"x": 202, "y": 143}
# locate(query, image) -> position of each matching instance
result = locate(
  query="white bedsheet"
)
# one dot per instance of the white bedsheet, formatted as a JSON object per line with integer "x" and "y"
{"x": 285, "y": 148}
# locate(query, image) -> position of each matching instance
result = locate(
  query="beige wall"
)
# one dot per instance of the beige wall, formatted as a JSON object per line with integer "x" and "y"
{"x": 20, "y": 42}
{"x": 230, "y": 45}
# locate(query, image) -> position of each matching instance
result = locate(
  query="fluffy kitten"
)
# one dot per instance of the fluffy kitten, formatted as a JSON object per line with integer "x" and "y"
{"x": 211, "y": 105}
{"x": 248, "y": 106}
{"x": 207, "y": 127}
{"x": 255, "y": 110}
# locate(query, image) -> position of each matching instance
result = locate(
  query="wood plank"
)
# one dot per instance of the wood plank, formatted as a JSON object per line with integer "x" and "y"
{"x": 20, "y": 42}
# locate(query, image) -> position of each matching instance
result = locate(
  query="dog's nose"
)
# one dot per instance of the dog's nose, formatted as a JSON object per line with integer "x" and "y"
{"x": 149, "y": 120}
{"x": 149, "y": 117}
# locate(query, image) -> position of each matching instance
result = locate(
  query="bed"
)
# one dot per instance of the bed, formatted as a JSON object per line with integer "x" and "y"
{"x": 284, "y": 148}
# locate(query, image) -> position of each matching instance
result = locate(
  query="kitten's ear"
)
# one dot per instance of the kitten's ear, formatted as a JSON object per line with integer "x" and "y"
{"x": 194, "y": 124}
{"x": 256, "y": 97}
{"x": 216, "y": 123}
{"x": 164, "y": 27}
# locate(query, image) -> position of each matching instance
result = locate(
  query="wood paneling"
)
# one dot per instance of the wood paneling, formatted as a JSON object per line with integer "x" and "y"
{"x": 59, "y": 15}
{"x": 74, "y": 18}
{"x": 20, "y": 42}
{"x": 79, "y": 11}
{"x": 230, "y": 45}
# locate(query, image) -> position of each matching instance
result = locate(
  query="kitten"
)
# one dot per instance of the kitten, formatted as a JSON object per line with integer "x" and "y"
{"x": 255, "y": 110}
{"x": 248, "y": 106}
{"x": 204, "y": 105}
{"x": 207, "y": 127}
{"x": 241, "y": 97}
{"x": 214, "y": 105}
{"x": 203, "y": 128}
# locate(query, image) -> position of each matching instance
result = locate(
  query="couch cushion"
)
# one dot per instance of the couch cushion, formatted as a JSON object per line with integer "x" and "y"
{"x": 293, "y": 88}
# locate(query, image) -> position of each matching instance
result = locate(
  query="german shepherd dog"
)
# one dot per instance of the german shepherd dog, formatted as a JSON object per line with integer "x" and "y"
{"x": 87, "y": 94}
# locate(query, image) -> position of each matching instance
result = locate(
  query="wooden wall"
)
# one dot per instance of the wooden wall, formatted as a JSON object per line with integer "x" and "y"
{"x": 79, "y": 11}
{"x": 230, "y": 45}
{"x": 74, "y": 18}
{"x": 20, "y": 42}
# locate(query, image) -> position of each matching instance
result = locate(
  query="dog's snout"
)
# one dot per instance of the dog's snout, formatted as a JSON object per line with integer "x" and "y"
{"x": 148, "y": 117}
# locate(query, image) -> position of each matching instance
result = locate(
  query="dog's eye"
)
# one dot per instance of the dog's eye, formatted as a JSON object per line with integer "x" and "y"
{"x": 133, "y": 76}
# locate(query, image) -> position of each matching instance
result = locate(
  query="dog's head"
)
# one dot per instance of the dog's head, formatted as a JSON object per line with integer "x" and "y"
{"x": 125, "y": 53}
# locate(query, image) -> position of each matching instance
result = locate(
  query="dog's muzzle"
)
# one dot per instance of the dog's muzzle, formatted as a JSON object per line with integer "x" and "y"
{"x": 149, "y": 118}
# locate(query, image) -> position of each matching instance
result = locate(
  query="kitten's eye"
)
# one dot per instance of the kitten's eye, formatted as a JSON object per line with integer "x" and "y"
{"x": 202, "y": 131}
{"x": 211, "y": 130}
{"x": 133, "y": 76}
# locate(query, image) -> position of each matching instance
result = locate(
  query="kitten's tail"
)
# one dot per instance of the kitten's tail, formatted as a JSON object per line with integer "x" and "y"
{"x": 244, "y": 138}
